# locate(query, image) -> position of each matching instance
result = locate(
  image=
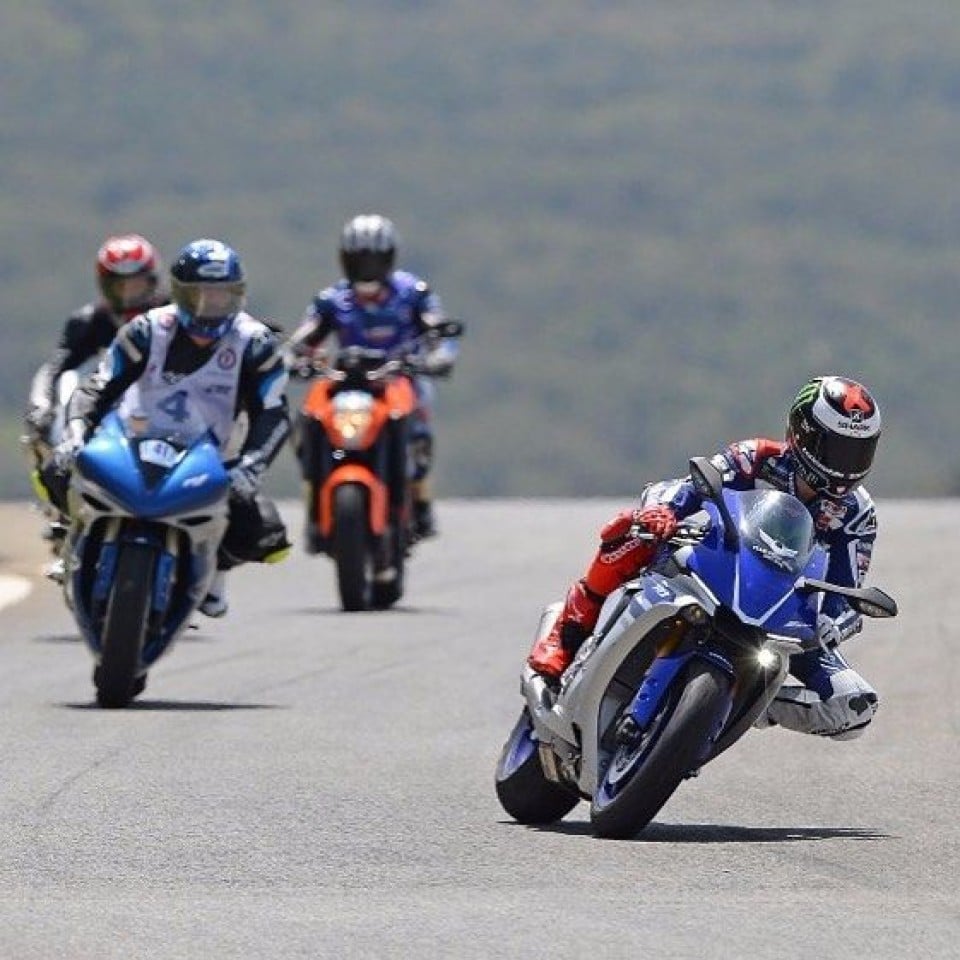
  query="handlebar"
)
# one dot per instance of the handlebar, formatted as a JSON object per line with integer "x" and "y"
{"x": 372, "y": 364}
{"x": 687, "y": 534}
{"x": 349, "y": 367}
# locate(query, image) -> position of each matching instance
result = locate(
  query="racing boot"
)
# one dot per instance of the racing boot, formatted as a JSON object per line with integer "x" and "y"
{"x": 56, "y": 570}
{"x": 833, "y": 701}
{"x": 625, "y": 548}
{"x": 214, "y": 604}
{"x": 553, "y": 653}
{"x": 424, "y": 524}
{"x": 55, "y": 534}
{"x": 423, "y": 521}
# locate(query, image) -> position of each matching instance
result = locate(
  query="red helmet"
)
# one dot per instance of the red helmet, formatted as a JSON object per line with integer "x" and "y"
{"x": 120, "y": 259}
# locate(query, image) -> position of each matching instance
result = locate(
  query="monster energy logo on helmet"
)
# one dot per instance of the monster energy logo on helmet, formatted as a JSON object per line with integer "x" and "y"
{"x": 807, "y": 393}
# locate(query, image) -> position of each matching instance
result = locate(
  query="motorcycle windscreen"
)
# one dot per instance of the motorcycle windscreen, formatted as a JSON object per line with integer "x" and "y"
{"x": 167, "y": 482}
{"x": 777, "y": 542}
{"x": 197, "y": 481}
{"x": 776, "y": 545}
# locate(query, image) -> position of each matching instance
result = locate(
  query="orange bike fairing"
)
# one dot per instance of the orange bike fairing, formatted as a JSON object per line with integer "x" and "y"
{"x": 353, "y": 473}
{"x": 397, "y": 400}
{"x": 401, "y": 398}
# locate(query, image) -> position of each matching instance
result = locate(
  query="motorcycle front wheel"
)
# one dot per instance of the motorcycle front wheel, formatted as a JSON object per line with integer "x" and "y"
{"x": 642, "y": 775}
{"x": 125, "y": 626}
{"x": 352, "y": 549}
{"x": 387, "y": 593}
{"x": 522, "y": 787}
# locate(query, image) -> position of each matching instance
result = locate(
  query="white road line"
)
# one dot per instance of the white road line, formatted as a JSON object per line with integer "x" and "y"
{"x": 13, "y": 590}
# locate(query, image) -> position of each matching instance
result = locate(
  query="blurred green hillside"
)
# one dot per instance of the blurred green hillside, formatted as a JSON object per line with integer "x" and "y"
{"x": 657, "y": 219}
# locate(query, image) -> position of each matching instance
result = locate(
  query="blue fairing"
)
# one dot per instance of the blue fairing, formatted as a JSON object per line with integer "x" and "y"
{"x": 110, "y": 461}
{"x": 152, "y": 479}
{"x": 759, "y": 590}
{"x": 748, "y": 564}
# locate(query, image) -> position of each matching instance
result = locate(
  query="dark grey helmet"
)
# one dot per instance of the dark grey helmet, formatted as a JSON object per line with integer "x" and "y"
{"x": 368, "y": 248}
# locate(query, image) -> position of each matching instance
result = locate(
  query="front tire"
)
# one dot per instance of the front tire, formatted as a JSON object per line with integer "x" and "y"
{"x": 387, "y": 594}
{"x": 642, "y": 776}
{"x": 352, "y": 550}
{"x": 522, "y": 787}
{"x": 125, "y": 626}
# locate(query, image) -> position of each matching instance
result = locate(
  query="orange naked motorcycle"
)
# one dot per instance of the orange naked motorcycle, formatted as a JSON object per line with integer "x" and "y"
{"x": 354, "y": 449}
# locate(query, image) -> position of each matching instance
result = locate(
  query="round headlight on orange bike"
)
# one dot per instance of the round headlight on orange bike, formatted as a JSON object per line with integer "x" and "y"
{"x": 352, "y": 416}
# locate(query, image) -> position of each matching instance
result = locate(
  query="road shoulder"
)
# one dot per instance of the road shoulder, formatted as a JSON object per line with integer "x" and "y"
{"x": 22, "y": 551}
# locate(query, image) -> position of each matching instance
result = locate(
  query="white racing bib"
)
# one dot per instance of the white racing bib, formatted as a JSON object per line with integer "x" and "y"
{"x": 185, "y": 406}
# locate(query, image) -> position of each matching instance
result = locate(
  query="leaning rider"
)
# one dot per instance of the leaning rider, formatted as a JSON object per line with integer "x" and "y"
{"x": 832, "y": 433}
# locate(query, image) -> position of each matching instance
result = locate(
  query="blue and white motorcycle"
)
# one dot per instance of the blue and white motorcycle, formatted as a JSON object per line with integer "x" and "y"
{"x": 148, "y": 513}
{"x": 683, "y": 660}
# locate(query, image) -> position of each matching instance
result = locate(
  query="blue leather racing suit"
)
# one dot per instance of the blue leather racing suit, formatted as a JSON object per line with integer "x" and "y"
{"x": 394, "y": 322}
{"x": 831, "y": 698}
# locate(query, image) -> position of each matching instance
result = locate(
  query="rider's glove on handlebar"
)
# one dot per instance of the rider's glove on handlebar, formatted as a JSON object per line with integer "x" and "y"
{"x": 660, "y": 521}
{"x": 245, "y": 479}
{"x": 828, "y": 635}
{"x": 66, "y": 451}
{"x": 436, "y": 364}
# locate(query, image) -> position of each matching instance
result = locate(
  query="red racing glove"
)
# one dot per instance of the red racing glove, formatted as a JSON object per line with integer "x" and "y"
{"x": 660, "y": 521}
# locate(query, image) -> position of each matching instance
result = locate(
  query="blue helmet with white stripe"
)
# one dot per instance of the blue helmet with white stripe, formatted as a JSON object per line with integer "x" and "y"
{"x": 208, "y": 286}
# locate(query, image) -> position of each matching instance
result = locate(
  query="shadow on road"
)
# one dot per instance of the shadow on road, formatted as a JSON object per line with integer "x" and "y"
{"x": 174, "y": 706}
{"x": 396, "y": 609}
{"x": 722, "y": 833}
{"x": 191, "y": 635}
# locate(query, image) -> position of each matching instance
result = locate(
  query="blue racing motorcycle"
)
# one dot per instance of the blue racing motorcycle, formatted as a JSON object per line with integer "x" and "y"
{"x": 683, "y": 660}
{"x": 147, "y": 515}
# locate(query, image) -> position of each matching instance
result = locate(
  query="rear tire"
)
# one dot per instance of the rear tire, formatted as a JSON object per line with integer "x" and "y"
{"x": 641, "y": 778}
{"x": 125, "y": 626}
{"x": 522, "y": 787}
{"x": 352, "y": 548}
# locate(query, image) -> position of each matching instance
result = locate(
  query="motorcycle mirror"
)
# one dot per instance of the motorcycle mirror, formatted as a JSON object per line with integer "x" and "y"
{"x": 449, "y": 328}
{"x": 870, "y": 601}
{"x": 709, "y": 483}
{"x": 706, "y": 478}
{"x": 875, "y": 604}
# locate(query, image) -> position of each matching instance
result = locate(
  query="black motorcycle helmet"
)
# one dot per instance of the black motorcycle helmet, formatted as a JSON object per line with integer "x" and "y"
{"x": 368, "y": 248}
{"x": 833, "y": 429}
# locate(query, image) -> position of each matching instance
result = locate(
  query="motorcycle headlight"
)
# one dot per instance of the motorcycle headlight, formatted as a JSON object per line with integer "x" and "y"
{"x": 352, "y": 416}
{"x": 782, "y": 646}
{"x": 767, "y": 658}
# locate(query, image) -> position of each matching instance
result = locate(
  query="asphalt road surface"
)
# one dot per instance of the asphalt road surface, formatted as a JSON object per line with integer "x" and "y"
{"x": 300, "y": 782}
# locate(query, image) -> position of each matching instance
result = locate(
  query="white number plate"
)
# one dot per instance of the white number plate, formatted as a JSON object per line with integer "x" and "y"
{"x": 158, "y": 452}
